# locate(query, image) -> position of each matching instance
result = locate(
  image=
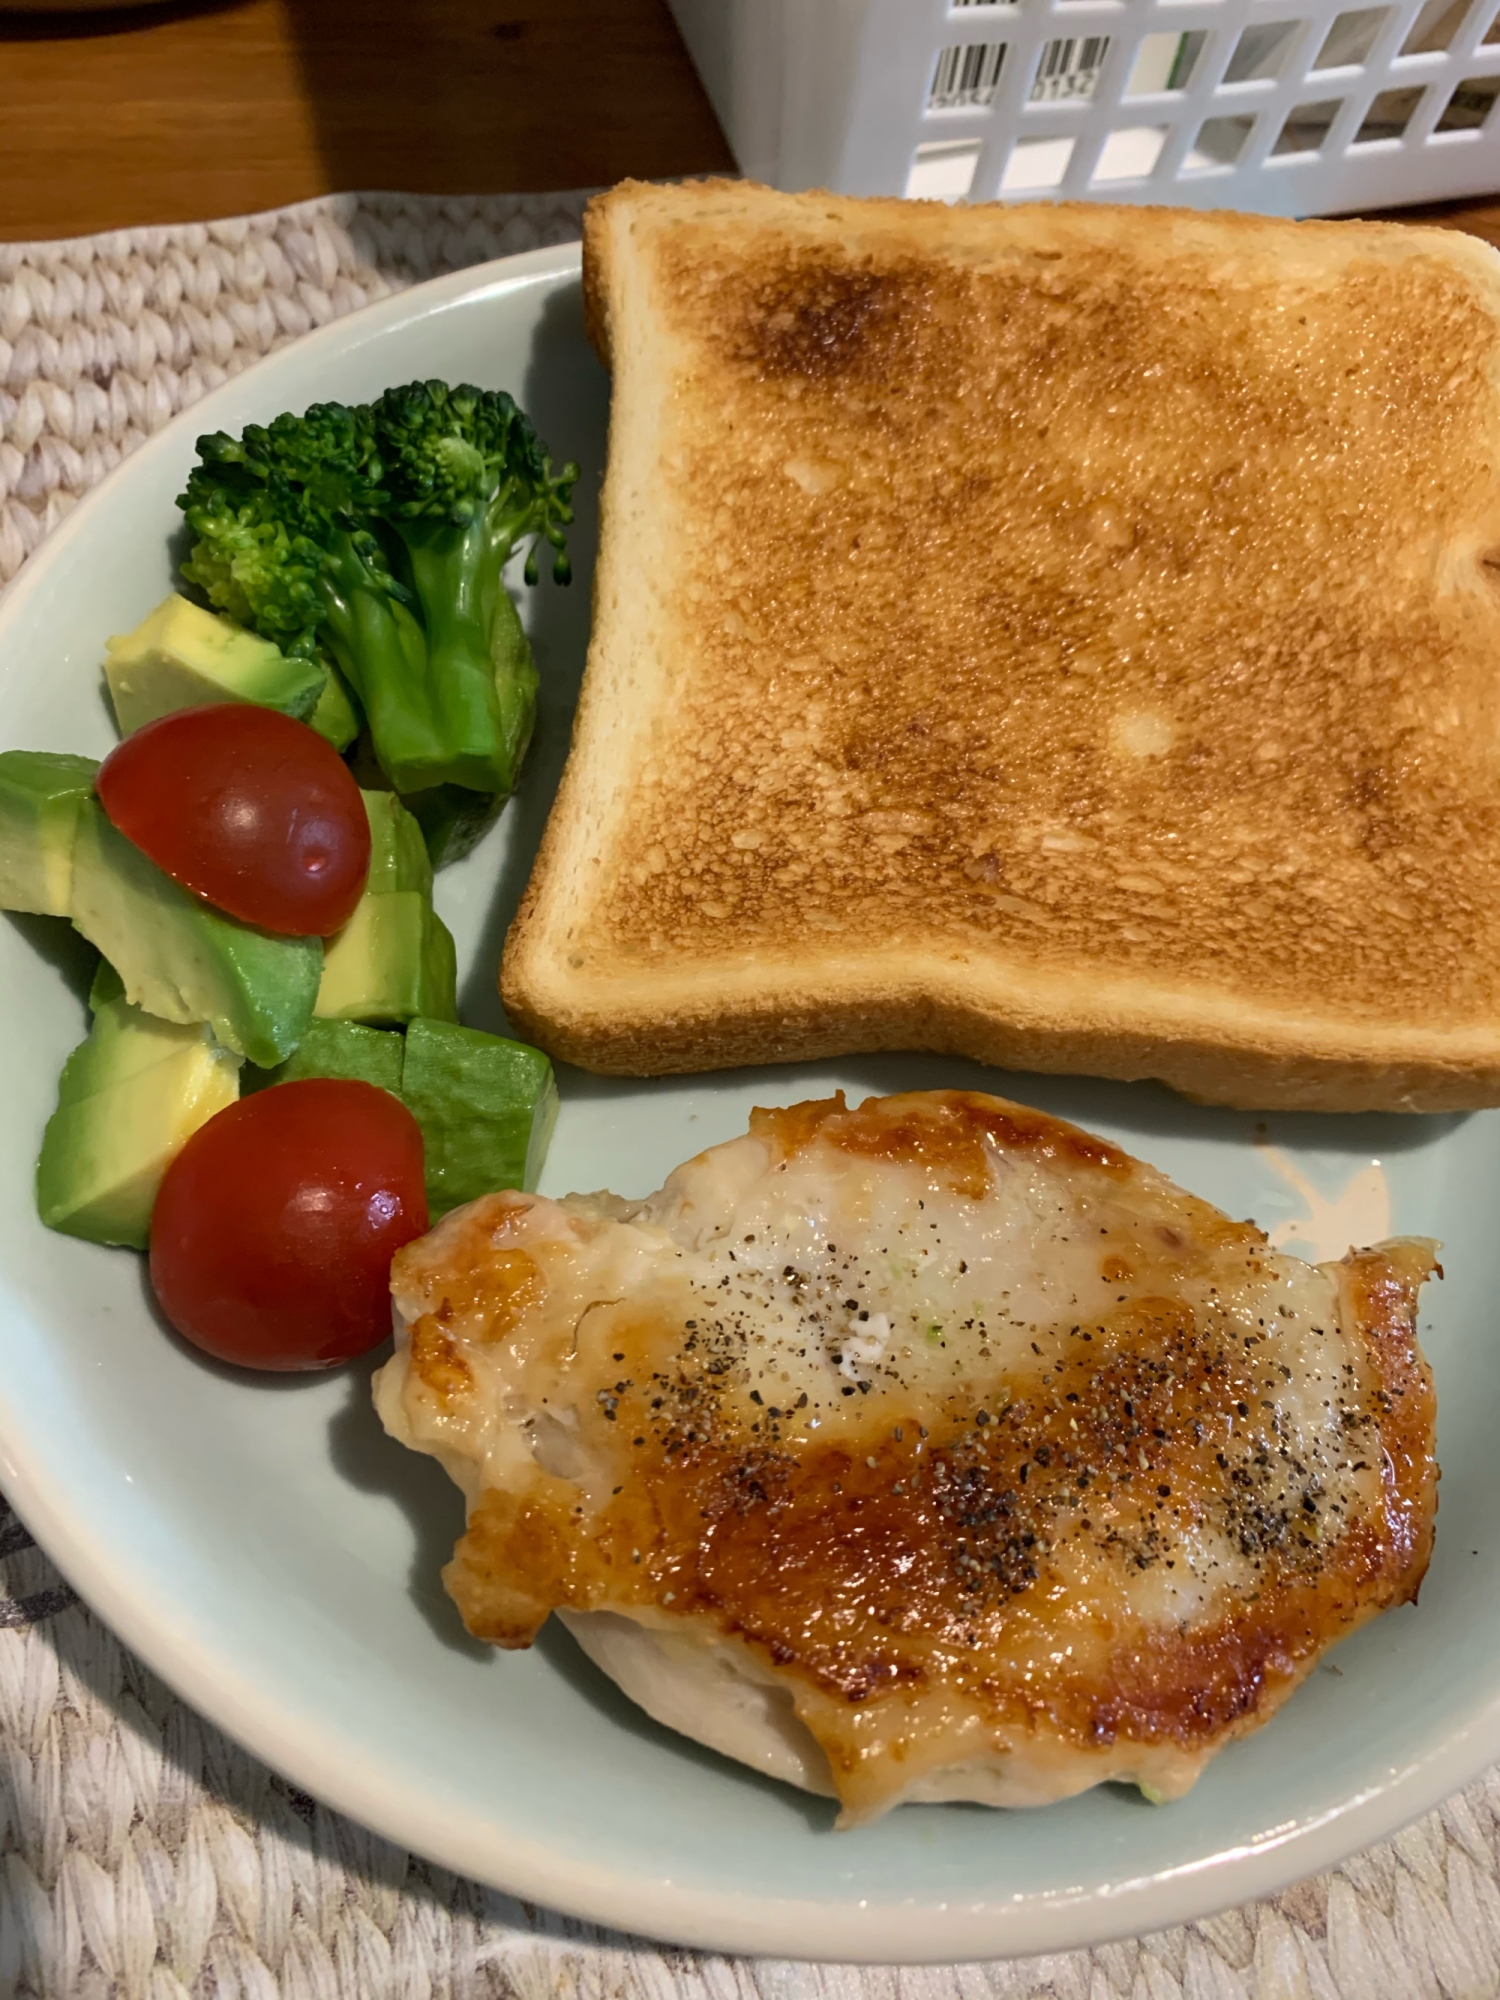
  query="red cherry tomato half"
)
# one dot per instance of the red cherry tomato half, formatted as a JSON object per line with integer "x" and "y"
{"x": 274, "y": 1227}
{"x": 252, "y": 811}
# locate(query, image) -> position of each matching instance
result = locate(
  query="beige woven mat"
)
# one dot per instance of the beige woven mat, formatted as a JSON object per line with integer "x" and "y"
{"x": 143, "y": 1855}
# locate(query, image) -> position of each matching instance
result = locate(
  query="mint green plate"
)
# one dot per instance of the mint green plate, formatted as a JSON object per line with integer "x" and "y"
{"x": 275, "y": 1557}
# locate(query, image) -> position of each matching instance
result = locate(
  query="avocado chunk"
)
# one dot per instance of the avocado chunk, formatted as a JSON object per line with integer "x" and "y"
{"x": 185, "y": 961}
{"x": 516, "y": 681}
{"x": 336, "y": 714}
{"x": 486, "y": 1107}
{"x": 107, "y": 986}
{"x": 394, "y": 958}
{"x": 182, "y": 656}
{"x": 398, "y": 853}
{"x": 42, "y": 795}
{"x": 339, "y": 1049}
{"x": 128, "y": 1100}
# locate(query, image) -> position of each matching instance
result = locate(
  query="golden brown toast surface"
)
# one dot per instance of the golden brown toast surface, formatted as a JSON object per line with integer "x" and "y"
{"x": 1058, "y": 634}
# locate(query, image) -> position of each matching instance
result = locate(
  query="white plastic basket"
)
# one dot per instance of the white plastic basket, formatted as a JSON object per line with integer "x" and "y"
{"x": 1286, "y": 107}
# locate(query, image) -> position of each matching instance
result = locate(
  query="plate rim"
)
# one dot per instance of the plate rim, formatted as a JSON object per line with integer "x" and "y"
{"x": 640, "y": 1906}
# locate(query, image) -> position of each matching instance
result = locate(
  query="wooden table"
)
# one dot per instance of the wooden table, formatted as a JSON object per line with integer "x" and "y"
{"x": 177, "y": 113}
{"x": 180, "y": 112}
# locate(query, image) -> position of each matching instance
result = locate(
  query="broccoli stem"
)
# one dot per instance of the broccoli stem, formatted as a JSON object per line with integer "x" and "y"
{"x": 480, "y": 675}
{"x": 383, "y": 652}
{"x": 447, "y": 573}
{"x": 453, "y": 820}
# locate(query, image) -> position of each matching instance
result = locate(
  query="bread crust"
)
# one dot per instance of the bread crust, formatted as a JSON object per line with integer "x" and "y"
{"x": 1062, "y": 636}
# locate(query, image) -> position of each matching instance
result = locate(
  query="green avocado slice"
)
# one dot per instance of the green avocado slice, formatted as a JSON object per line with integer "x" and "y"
{"x": 128, "y": 1100}
{"x": 344, "y": 1049}
{"x": 42, "y": 795}
{"x": 181, "y": 656}
{"x": 395, "y": 958}
{"x": 183, "y": 960}
{"x": 486, "y": 1107}
{"x": 336, "y": 714}
{"x": 107, "y": 986}
{"x": 398, "y": 853}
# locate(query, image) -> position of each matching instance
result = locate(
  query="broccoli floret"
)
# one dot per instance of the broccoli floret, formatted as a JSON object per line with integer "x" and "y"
{"x": 465, "y": 481}
{"x": 251, "y": 565}
{"x": 278, "y": 548}
{"x": 267, "y": 508}
{"x": 379, "y": 536}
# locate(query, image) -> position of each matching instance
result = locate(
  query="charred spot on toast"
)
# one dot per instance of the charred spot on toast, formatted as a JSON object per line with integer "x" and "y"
{"x": 818, "y": 318}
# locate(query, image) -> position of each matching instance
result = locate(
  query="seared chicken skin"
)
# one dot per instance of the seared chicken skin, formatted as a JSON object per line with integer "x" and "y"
{"x": 933, "y": 1449}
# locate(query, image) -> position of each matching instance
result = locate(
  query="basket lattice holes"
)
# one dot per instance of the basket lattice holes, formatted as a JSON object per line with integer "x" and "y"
{"x": 1312, "y": 110}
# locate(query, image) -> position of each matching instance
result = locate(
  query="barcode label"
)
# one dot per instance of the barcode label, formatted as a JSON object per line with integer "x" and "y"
{"x": 1069, "y": 69}
{"x": 966, "y": 77}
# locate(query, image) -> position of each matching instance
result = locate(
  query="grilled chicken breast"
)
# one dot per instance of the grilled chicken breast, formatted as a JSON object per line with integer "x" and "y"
{"x": 933, "y": 1449}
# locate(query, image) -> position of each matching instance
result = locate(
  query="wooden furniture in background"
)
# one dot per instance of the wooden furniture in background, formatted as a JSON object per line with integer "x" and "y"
{"x": 194, "y": 109}
{"x": 176, "y": 113}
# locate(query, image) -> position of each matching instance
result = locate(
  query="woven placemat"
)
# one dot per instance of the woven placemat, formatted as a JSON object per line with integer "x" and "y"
{"x": 143, "y": 1856}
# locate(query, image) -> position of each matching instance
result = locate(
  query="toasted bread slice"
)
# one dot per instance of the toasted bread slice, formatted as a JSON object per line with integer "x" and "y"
{"x": 1065, "y": 636}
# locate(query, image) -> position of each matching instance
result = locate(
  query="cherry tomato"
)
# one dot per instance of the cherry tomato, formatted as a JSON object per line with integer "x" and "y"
{"x": 252, "y": 811}
{"x": 274, "y": 1227}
